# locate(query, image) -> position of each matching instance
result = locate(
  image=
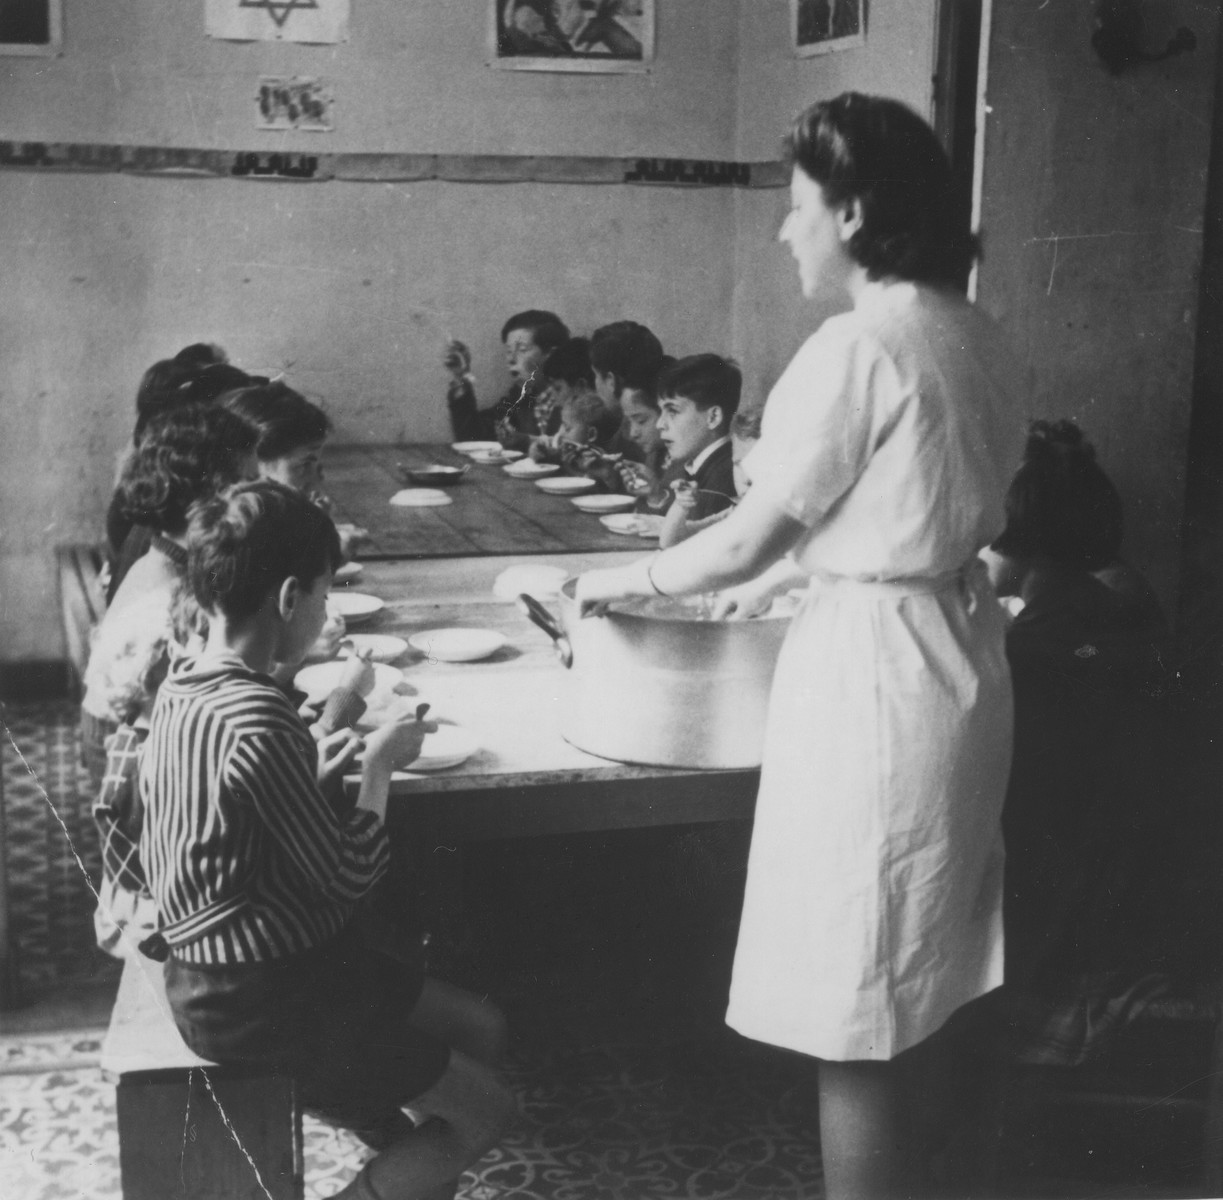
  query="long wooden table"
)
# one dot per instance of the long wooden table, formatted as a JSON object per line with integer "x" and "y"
{"x": 525, "y": 779}
{"x": 492, "y": 513}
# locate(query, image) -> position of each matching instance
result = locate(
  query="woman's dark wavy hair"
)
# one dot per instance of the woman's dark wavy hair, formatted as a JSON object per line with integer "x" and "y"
{"x": 284, "y": 419}
{"x": 1061, "y": 505}
{"x": 183, "y": 455}
{"x": 245, "y": 542}
{"x": 882, "y": 154}
{"x": 173, "y": 383}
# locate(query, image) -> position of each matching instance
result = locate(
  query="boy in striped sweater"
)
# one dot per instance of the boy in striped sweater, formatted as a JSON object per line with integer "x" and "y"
{"x": 259, "y": 879}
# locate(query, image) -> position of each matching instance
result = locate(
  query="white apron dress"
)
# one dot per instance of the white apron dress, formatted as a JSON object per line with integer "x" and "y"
{"x": 874, "y": 894}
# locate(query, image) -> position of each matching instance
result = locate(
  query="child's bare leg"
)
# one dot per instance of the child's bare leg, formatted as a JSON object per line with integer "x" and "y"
{"x": 467, "y": 1112}
{"x": 461, "y": 1019}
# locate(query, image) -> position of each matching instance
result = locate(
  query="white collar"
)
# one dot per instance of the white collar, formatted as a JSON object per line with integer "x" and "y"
{"x": 698, "y": 462}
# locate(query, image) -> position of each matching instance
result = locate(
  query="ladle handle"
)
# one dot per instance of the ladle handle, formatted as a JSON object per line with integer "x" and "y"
{"x": 538, "y": 615}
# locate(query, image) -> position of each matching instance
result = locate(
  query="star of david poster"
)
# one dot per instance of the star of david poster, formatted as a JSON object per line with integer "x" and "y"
{"x": 277, "y": 20}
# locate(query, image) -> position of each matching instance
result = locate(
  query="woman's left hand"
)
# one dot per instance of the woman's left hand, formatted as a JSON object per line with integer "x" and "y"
{"x": 335, "y": 755}
{"x": 597, "y": 589}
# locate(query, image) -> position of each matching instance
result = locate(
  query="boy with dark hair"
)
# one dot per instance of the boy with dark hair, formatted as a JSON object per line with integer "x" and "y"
{"x": 529, "y": 338}
{"x": 698, "y": 397}
{"x": 258, "y": 879}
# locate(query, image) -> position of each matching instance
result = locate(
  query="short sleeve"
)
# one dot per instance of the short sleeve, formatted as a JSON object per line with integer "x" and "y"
{"x": 822, "y": 421}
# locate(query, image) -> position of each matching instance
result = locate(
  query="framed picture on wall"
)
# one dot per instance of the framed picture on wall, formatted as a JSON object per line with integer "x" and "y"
{"x": 822, "y": 26}
{"x": 31, "y": 26}
{"x": 571, "y": 35}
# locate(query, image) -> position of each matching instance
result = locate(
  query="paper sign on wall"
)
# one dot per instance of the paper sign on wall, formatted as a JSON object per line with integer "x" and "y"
{"x": 277, "y": 20}
{"x": 293, "y": 103}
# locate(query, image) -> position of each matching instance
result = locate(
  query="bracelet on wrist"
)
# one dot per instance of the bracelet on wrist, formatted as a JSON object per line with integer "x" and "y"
{"x": 649, "y": 574}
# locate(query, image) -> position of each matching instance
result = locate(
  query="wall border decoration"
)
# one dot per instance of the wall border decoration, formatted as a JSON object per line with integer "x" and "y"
{"x": 600, "y": 36}
{"x": 32, "y": 27}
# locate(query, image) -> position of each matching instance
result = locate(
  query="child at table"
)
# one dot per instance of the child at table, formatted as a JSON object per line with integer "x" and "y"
{"x": 698, "y": 399}
{"x": 182, "y": 457}
{"x": 679, "y": 523}
{"x": 265, "y": 964}
{"x": 563, "y": 376}
{"x": 577, "y": 445}
{"x": 627, "y": 358}
{"x": 529, "y": 337}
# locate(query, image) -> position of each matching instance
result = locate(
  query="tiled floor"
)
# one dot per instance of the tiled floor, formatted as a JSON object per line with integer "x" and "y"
{"x": 611, "y": 957}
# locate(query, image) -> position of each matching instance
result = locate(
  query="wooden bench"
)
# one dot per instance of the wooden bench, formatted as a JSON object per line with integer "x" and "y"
{"x": 81, "y": 599}
{"x": 190, "y": 1129}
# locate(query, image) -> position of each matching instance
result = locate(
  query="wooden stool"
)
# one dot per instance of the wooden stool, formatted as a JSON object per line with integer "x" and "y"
{"x": 190, "y": 1129}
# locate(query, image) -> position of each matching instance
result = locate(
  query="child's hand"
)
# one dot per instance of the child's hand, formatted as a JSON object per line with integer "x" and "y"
{"x": 685, "y": 494}
{"x": 358, "y": 673}
{"x": 538, "y": 451}
{"x": 457, "y": 358}
{"x": 398, "y": 743}
{"x": 335, "y": 755}
{"x": 638, "y": 479}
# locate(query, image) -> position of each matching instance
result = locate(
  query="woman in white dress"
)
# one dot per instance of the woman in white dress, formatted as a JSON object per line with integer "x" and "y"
{"x": 874, "y": 894}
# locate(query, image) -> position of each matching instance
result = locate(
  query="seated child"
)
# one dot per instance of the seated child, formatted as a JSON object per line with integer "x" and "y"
{"x": 639, "y": 406}
{"x": 266, "y": 962}
{"x": 529, "y": 338}
{"x": 1088, "y": 807}
{"x": 679, "y": 523}
{"x": 565, "y": 375}
{"x": 626, "y": 357}
{"x": 183, "y": 456}
{"x": 576, "y": 444}
{"x": 197, "y": 374}
{"x": 698, "y": 398}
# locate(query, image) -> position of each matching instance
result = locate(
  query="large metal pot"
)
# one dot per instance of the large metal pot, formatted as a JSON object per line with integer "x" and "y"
{"x": 666, "y": 690}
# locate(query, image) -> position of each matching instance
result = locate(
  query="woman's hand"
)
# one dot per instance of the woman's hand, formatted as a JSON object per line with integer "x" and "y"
{"x": 742, "y": 601}
{"x": 397, "y": 743}
{"x": 597, "y": 589}
{"x": 358, "y": 673}
{"x": 335, "y": 755}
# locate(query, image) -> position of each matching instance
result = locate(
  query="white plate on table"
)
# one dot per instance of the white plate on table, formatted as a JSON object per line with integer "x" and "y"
{"x": 631, "y": 524}
{"x": 355, "y": 607}
{"x": 488, "y": 457}
{"x": 512, "y": 456}
{"x": 457, "y": 645}
{"x": 536, "y": 579}
{"x": 567, "y": 485}
{"x": 319, "y": 680}
{"x": 421, "y": 497}
{"x": 474, "y": 447}
{"x": 603, "y": 504}
{"x": 346, "y": 571}
{"x": 447, "y": 747}
{"x": 528, "y": 468}
{"x": 382, "y": 647}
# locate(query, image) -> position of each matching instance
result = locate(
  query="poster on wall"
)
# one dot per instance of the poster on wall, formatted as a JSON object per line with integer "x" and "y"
{"x": 571, "y": 35}
{"x": 31, "y": 26}
{"x": 294, "y": 102}
{"x": 318, "y": 21}
{"x": 823, "y": 26}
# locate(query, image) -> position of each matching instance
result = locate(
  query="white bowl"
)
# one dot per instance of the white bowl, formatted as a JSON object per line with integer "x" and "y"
{"x": 383, "y": 647}
{"x": 346, "y": 571}
{"x": 355, "y": 607}
{"x": 536, "y": 579}
{"x": 511, "y": 455}
{"x": 487, "y": 457}
{"x": 457, "y": 645}
{"x": 320, "y": 680}
{"x": 420, "y": 497}
{"x": 603, "y": 504}
{"x": 470, "y": 447}
{"x": 568, "y": 485}
{"x": 528, "y": 468}
{"x": 449, "y": 746}
{"x": 632, "y": 524}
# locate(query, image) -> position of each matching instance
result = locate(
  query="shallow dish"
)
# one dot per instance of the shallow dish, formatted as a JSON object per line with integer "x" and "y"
{"x": 603, "y": 504}
{"x": 419, "y": 497}
{"x": 471, "y": 447}
{"x": 447, "y": 747}
{"x": 346, "y": 571}
{"x": 567, "y": 485}
{"x": 355, "y": 607}
{"x": 382, "y": 647}
{"x": 488, "y": 457}
{"x": 530, "y": 469}
{"x": 537, "y": 579}
{"x": 512, "y": 455}
{"x": 633, "y": 524}
{"x": 321, "y": 679}
{"x": 435, "y": 476}
{"x": 457, "y": 645}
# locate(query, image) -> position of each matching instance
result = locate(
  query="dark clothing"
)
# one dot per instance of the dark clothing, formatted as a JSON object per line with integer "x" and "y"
{"x": 134, "y": 546}
{"x": 511, "y": 421}
{"x": 715, "y": 480}
{"x": 335, "y": 1017}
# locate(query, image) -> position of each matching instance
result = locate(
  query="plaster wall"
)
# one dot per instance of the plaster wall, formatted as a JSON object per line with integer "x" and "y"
{"x": 1092, "y": 218}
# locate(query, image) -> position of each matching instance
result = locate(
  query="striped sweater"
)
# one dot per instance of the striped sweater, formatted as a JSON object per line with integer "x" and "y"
{"x": 245, "y": 858}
